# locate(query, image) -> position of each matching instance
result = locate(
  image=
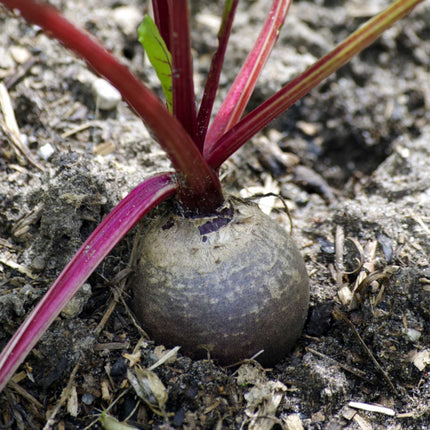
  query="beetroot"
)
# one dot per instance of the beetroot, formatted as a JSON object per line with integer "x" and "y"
{"x": 230, "y": 285}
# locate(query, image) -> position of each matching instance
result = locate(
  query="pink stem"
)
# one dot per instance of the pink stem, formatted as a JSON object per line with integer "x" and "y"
{"x": 214, "y": 74}
{"x": 108, "y": 233}
{"x": 161, "y": 18}
{"x": 199, "y": 187}
{"x": 184, "y": 103}
{"x": 238, "y": 96}
{"x": 260, "y": 117}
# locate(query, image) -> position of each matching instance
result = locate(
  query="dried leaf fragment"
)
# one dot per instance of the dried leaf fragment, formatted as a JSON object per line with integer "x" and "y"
{"x": 293, "y": 422}
{"x": 72, "y": 402}
{"x": 420, "y": 359}
{"x": 148, "y": 387}
{"x": 110, "y": 423}
{"x": 263, "y": 400}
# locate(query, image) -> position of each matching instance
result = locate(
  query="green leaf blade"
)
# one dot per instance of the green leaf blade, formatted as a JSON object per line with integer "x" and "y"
{"x": 158, "y": 55}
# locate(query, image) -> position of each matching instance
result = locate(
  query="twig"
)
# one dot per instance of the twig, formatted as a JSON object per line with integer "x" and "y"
{"x": 12, "y": 80}
{"x": 338, "y": 314}
{"x": 79, "y": 128}
{"x": 419, "y": 221}
{"x": 340, "y": 242}
{"x": 22, "y": 269}
{"x": 372, "y": 408}
{"x": 133, "y": 319}
{"x": 117, "y": 293}
{"x": 356, "y": 372}
{"x": 64, "y": 396}
{"x": 10, "y": 128}
{"x": 23, "y": 393}
{"x": 165, "y": 357}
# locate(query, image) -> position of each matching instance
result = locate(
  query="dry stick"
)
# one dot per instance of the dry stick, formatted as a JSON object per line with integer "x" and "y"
{"x": 133, "y": 319}
{"x": 338, "y": 314}
{"x": 22, "y": 71}
{"x": 26, "y": 395}
{"x": 340, "y": 242}
{"x": 64, "y": 396}
{"x": 78, "y": 129}
{"x": 117, "y": 294}
{"x": 10, "y": 128}
{"x": 132, "y": 263}
{"x": 19, "y": 267}
{"x": 356, "y": 372}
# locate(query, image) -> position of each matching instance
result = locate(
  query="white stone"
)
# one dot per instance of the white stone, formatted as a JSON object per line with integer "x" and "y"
{"x": 293, "y": 422}
{"x": 106, "y": 96}
{"x": 46, "y": 151}
{"x": 128, "y": 19}
{"x": 413, "y": 335}
{"x": 345, "y": 295}
{"x": 20, "y": 54}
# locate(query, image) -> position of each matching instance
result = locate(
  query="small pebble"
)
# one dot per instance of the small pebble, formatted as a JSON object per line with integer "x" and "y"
{"x": 77, "y": 303}
{"x": 106, "y": 96}
{"x": 119, "y": 369}
{"x": 46, "y": 151}
{"x": 208, "y": 20}
{"x": 327, "y": 247}
{"x": 27, "y": 290}
{"x": 87, "y": 398}
{"x": 179, "y": 418}
{"x": 413, "y": 335}
{"x": 20, "y": 54}
{"x": 38, "y": 263}
{"x": 6, "y": 60}
{"x": 128, "y": 19}
{"x": 345, "y": 295}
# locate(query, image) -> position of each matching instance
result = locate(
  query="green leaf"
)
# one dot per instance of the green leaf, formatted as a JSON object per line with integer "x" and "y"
{"x": 158, "y": 55}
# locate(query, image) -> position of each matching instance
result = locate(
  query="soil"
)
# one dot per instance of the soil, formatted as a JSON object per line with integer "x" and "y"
{"x": 352, "y": 162}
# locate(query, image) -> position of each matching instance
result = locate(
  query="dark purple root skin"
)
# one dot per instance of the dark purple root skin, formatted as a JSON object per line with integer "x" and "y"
{"x": 228, "y": 285}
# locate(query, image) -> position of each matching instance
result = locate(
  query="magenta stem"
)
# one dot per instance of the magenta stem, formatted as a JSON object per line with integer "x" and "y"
{"x": 108, "y": 233}
{"x": 240, "y": 92}
{"x": 184, "y": 104}
{"x": 260, "y": 117}
{"x": 199, "y": 187}
{"x": 212, "y": 80}
{"x": 162, "y": 20}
